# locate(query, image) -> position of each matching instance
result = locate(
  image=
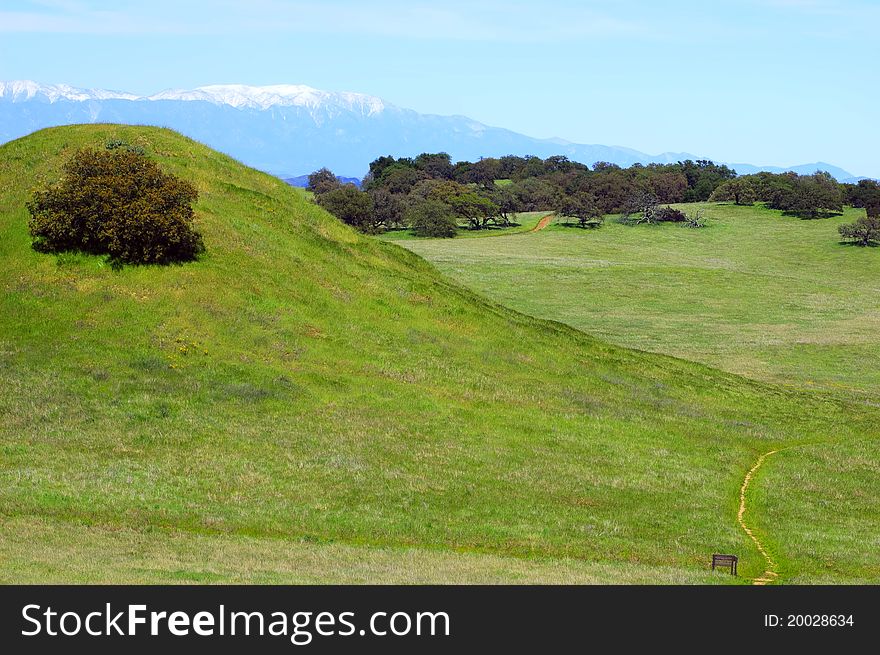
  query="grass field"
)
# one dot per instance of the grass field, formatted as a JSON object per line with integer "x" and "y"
{"x": 308, "y": 404}
{"x": 524, "y": 222}
{"x": 771, "y": 297}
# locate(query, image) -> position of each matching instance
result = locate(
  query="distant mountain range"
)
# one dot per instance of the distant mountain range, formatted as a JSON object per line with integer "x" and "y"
{"x": 302, "y": 181}
{"x": 291, "y": 130}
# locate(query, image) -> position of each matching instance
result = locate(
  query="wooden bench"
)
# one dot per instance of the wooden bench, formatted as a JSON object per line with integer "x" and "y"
{"x": 725, "y": 561}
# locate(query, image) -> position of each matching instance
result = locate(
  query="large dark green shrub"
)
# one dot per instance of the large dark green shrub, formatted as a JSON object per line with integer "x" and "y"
{"x": 432, "y": 218}
{"x": 582, "y": 206}
{"x": 322, "y": 181}
{"x": 864, "y": 232}
{"x": 119, "y": 203}
{"x": 351, "y": 205}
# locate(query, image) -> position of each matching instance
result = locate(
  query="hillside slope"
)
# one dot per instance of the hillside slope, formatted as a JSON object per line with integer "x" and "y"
{"x": 306, "y": 384}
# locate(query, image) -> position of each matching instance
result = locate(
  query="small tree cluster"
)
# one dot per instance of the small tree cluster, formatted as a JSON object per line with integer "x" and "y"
{"x": 431, "y": 218}
{"x": 582, "y": 206}
{"x": 864, "y": 232}
{"x": 350, "y": 205}
{"x": 739, "y": 190}
{"x": 117, "y": 202}
{"x": 322, "y": 181}
{"x": 808, "y": 196}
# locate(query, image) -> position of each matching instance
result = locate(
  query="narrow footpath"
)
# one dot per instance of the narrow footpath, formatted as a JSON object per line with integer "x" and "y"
{"x": 770, "y": 574}
{"x": 544, "y": 222}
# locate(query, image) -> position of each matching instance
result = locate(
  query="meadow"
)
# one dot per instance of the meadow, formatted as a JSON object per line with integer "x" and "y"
{"x": 758, "y": 293}
{"x": 305, "y": 403}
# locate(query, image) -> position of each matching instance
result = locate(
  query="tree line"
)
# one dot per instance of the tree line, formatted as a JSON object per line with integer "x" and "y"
{"x": 432, "y": 196}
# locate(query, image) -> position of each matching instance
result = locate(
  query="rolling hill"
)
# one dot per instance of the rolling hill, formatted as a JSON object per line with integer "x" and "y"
{"x": 291, "y": 130}
{"x": 308, "y": 404}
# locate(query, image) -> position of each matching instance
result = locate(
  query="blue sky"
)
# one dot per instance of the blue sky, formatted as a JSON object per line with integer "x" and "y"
{"x": 760, "y": 81}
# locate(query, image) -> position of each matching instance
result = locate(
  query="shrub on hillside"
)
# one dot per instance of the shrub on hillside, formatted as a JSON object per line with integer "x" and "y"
{"x": 350, "y": 205}
{"x": 322, "y": 181}
{"x": 864, "y": 232}
{"x": 119, "y": 203}
{"x": 432, "y": 218}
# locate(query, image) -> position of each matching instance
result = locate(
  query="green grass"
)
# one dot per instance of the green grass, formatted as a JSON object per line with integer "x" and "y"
{"x": 522, "y": 222}
{"x": 306, "y": 392}
{"x": 756, "y": 293}
{"x": 34, "y": 550}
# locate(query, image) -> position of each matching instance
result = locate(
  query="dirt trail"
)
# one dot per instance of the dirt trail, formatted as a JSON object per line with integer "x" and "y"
{"x": 544, "y": 222}
{"x": 770, "y": 574}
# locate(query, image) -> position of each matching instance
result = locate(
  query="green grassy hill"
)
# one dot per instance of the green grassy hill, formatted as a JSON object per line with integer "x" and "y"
{"x": 307, "y": 404}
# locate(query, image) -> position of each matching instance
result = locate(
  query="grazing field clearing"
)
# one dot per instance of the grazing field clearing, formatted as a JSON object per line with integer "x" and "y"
{"x": 523, "y": 222}
{"x": 305, "y": 390}
{"x": 771, "y": 297}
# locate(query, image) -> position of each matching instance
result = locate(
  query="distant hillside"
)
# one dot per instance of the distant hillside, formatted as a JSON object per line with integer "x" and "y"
{"x": 302, "y": 181}
{"x": 802, "y": 169}
{"x": 291, "y": 130}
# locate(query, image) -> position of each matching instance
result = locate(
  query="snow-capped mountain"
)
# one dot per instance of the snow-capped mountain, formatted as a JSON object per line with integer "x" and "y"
{"x": 278, "y": 95}
{"x": 234, "y": 95}
{"x": 291, "y": 129}
{"x": 26, "y": 90}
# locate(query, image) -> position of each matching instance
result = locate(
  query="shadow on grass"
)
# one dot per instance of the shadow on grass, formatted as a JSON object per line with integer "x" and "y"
{"x": 489, "y": 228}
{"x": 73, "y": 257}
{"x": 811, "y": 216}
{"x": 858, "y": 244}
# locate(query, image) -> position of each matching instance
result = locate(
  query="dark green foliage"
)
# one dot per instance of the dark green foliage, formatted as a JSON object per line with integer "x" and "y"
{"x": 534, "y": 194}
{"x": 668, "y": 186}
{"x": 740, "y": 190}
{"x": 582, "y": 206}
{"x": 703, "y": 176}
{"x": 322, "y": 181}
{"x": 540, "y": 184}
{"x": 641, "y": 207}
{"x": 670, "y": 215}
{"x": 119, "y": 203}
{"x": 478, "y": 211}
{"x": 388, "y": 209}
{"x": 864, "y": 194}
{"x": 863, "y": 232}
{"x": 436, "y": 165}
{"x": 483, "y": 173}
{"x": 352, "y": 206}
{"x": 466, "y": 203}
{"x": 400, "y": 179}
{"x": 432, "y": 218}
{"x": 508, "y": 203}
{"x": 808, "y": 196}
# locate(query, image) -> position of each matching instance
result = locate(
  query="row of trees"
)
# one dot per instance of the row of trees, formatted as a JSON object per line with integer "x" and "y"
{"x": 432, "y": 196}
{"x": 808, "y": 196}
